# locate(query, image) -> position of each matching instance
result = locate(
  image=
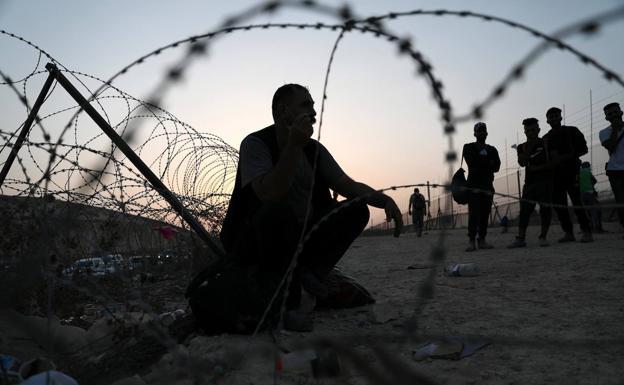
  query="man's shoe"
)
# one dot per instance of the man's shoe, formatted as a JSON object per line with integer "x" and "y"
{"x": 519, "y": 242}
{"x": 484, "y": 245}
{"x": 543, "y": 242}
{"x": 587, "y": 237}
{"x": 471, "y": 246}
{"x": 568, "y": 237}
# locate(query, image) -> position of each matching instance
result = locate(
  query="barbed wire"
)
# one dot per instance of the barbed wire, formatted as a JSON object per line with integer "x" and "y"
{"x": 588, "y": 26}
{"x": 199, "y": 167}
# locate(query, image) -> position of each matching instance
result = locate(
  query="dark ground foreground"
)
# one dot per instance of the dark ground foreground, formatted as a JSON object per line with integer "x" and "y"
{"x": 553, "y": 315}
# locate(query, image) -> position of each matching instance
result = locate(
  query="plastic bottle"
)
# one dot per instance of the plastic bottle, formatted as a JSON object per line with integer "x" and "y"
{"x": 463, "y": 270}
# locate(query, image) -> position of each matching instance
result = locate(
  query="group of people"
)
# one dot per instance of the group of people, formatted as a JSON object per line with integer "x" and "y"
{"x": 553, "y": 172}
{"x": 283, "y": 222}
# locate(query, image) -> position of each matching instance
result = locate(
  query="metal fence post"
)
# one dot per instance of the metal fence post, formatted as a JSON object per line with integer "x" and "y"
{"x": 27, "y": 124}
{"x": 156, "y": 183}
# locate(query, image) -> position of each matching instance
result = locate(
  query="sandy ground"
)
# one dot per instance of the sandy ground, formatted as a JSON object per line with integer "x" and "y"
{"x": 553, "y": 315}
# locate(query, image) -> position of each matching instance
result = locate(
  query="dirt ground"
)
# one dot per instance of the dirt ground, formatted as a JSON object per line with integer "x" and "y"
{"x": 552, "y": 315}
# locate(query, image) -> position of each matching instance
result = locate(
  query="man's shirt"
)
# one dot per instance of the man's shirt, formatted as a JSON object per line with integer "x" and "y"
{"x": 482, "y": 164}
{"x": 255, "y": 160}
{"x": 566, "y": 140}
{"x": 616, "y": 160}
{"x": 417, "y": 202}
{"x": 537, "y": 157}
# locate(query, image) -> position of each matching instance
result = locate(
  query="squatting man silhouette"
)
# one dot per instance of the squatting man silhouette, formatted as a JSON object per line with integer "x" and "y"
{"x": 281, "y": 170}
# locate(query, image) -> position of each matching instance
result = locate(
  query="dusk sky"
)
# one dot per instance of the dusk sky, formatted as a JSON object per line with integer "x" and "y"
{"x": 381, "y": 123}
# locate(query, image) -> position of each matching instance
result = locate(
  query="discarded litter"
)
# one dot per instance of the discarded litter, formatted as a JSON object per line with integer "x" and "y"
{"x": 36, "y": 366}
{"x": 9, "y": 367}
{"x": 38, "y": 371}
{"x": 51, "y": 377}
{"x": 451, "y": 348}
{"x": 463, "y": 270}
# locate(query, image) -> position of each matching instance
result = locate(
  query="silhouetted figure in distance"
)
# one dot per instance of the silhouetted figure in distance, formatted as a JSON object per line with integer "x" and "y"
{"x": 483, "y": 161}
{"x": 612, "y": 138}
{"x": 417, "y": 206}
{"x": 533, "y": 156}
{"x": 587, "y": 181}
{"x": 566, "y": 145}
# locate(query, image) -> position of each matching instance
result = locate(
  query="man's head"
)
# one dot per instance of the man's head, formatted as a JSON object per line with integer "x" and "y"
{"x": 480, "y": 131}
{"x": 289, "y": 102}
{"x": 416, "y": 190}
{"x": 531, "y": 128}
{"x": 585, "y": 165}
{"x": 553, "y": 117}
{"x": 613, "y": 114}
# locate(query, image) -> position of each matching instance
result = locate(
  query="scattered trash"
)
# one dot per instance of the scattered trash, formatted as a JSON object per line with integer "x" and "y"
{"x": 38, "y": 371}
{"x": 451, "y": 348}
{"x": 463, "y": 270}
{"x": 51, "y": 377}
{"x": 36, "y": 366}
{"x": 323, "y": 363}
{"x": 9, "y": 367}
{"x": 383, "y": 312}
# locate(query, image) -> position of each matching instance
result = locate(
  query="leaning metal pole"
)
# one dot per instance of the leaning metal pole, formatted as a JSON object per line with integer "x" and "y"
{"x": 158, "y": 185}
{"x": 27, "y": 124}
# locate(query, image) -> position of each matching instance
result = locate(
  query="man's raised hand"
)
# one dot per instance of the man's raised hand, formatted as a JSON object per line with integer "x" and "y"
{"x": 300, "y": 130}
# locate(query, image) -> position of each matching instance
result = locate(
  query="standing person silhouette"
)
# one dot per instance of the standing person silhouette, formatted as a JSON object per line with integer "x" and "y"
{"x": 566, "y": 145}
{"x": 416, "y": 209}
{"x": 587, "y": 181}
{"x": 533, "y": 155}
{"x": 483, "y": 161}
{"x": 612, "y": 138}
